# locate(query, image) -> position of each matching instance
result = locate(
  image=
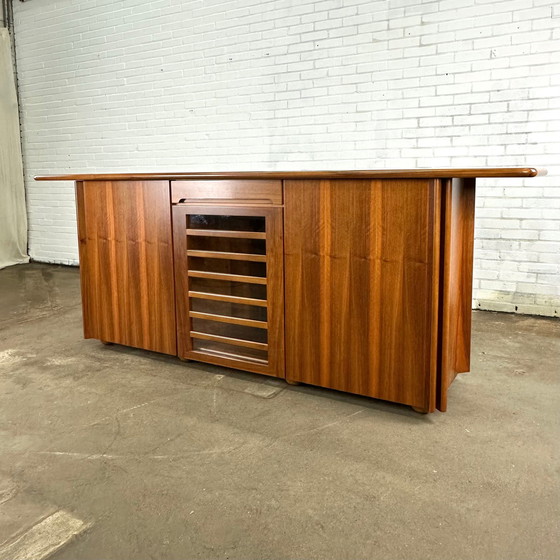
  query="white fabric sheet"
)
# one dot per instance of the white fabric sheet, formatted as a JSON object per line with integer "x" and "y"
{"x": 13, "y": 217}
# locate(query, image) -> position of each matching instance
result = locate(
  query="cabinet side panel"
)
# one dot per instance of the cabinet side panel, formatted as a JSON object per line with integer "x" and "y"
{"x": 86, "y": 272}
{"x": 126, "y": 256}
{"x": 360, "y": 286}
{"x": 457, "y": 270}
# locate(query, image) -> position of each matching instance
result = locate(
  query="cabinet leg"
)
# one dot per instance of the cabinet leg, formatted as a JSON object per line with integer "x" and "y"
{"x": 107, "y": 343}
{"x": 419, "y": 410}
{"x": 186, "y": 360}
{"x": 290, "y": 382}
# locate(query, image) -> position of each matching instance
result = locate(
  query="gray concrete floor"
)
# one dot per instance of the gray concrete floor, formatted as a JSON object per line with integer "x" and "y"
{"x": 168, "y": 460}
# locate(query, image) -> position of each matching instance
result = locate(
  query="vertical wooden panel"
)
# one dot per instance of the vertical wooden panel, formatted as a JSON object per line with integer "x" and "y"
{"x": 361, "y": 286}
{"x": 275, "y": 290}
{"x": 126, "y": 262}
{"x": 86, "y": 269}
{"x": 456, "y": 300}
{"x": 181, "y": 261}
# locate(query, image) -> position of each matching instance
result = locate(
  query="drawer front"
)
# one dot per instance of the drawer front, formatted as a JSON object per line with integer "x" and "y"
{"x": 252, "y": 192}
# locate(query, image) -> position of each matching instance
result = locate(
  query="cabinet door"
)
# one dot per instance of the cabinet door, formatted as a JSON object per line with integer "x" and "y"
{"x": 126, "y": 263}
{"x": 362, "y": 262}
{"x": 229, "y": 286}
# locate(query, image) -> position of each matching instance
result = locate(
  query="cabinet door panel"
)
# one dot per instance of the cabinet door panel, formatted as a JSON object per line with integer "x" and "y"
{"x": 361, "y": 261}
{"x": 126, "y": 262}
{"x": 229, "y": 278}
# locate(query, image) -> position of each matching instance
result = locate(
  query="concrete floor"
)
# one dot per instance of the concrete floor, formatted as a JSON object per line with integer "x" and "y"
{"x": 168, "y": 460}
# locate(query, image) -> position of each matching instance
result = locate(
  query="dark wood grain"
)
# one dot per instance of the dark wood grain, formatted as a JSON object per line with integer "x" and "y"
{"x": 247, "y": 192}
{"x": 357, "y": 174}
{"x": 126, "y": 263}
{"x": 361, "y": 287}
{"x": 456, "y": 282}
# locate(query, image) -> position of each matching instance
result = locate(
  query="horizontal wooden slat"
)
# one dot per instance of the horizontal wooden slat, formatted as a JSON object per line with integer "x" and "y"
{"x": 227, "y": 233}
{"x": 237, "y": 363}
{"x": 229, "y": 256}
{"x": 223, "y": 356}
{"x": 229, "y": 340}
{"x": 230, "y": 277}
{"x": 229, "y": 299}
{"x": 230, "y": 320}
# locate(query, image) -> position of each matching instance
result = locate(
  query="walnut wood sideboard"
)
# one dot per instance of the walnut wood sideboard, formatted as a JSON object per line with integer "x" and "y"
{"x": 359, "y": 281}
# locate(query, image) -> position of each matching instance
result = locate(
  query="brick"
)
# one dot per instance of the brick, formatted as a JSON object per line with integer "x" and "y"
{"x": 247, "y": 84}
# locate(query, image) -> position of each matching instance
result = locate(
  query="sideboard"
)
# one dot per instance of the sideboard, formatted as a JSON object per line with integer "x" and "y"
{"x": 359, "y": 281}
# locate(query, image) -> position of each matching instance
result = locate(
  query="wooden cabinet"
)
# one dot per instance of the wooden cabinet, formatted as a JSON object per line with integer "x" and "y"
{"x": 358, "y": 281}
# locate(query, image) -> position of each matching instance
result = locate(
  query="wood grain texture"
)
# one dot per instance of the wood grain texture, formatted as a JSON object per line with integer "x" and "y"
{"x": 255, "y": 191}
{"x": 361, "y": 287}
{"x": 126, "y": 263}
{"x": 378, "y": 275}
{"x": 357, "y": 174}
{"x": 274, "y": 282}
{"x": 458, "y": 196}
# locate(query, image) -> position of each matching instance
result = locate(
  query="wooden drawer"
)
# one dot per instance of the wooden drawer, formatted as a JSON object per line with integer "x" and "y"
{"x": 257, "y": 192}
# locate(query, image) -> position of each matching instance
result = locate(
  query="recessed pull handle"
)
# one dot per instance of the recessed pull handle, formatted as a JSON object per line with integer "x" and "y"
{"x": 229, "y": 202}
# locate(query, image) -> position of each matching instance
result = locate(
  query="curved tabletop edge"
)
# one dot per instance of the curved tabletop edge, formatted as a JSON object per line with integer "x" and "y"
{"x": 450, "y": 173}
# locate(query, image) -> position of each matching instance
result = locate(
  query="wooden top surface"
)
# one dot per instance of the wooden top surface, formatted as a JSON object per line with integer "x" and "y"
{"x": 365, "y": 174}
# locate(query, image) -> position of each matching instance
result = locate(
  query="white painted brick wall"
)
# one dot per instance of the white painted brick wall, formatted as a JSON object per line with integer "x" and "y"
{"x": 254, "y": 84}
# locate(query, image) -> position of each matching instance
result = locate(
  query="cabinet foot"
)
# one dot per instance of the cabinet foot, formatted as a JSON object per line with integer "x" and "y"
{"x": 107, "y": 343}
{"x": 290, "y": 382}
{"x": 186, "y": 360}
{"x": 419, "y": 410}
